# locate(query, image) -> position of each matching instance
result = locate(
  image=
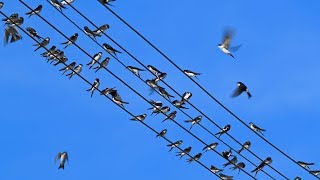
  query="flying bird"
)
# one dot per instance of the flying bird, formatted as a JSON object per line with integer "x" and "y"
{"x": 194, "y": 121}
{"x": 71, "y": 40}
{"x": 256, "y": 128}
{"x": 94, "y": 86}
{"x": 175, "y": 144}
{"x": 245, "y": 146}
{"x": 77, "y": 70}
{"x": 44, "y": 43}
{"x": 37, "y": 10}
{"x": 191, "y": 73}
{"x": 240, "y": 89}
{"x": 110, "y": 49}
{"x": 96, "y": 58}
{"x": 215, "y": 169}
{"x": 233, "y": 161}
{"x": 239, "y": 166}
{"x": 162, "y": 133}
{"x": 171, "y": 116}
{"x": 135, "y": 70}
{"x": 225, "y": 46}
{"x": 139, "y": 117}
{"x": 224, "y": 130}
{"x": 305, "y": 164}
{"x": 33, "y": 33}
{"x": 210, "y": 147}
{"x": 11, "y": 31}
{"x": 184, "y": 152}
{"x": 194, "y": 158}
{"x": 62, "y": 157}
{"x": 57, "y": 4}
{"x": 265, "y": 162}
{"x": 67, "y": 68}
{"x": 103, "y": 64}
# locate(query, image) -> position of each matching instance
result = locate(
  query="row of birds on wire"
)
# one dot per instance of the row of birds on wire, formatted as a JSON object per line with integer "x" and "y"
{"x": 57, "y": 56}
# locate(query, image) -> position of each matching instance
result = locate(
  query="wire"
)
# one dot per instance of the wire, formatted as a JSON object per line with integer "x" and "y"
{"x": 84, "y": 79}
{"x": 202, "y": 88}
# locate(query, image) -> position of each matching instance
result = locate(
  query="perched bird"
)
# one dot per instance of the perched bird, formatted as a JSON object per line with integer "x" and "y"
{"x": 44, "y": 43}
{"x": 67, "y": 68}
{"x": 215, "y": 169}
{"x": 171, "y": 116}
{"x": 116, "y": 98}
{"x": 175, "y": 144}
{"x": 37, "y": 10}
{"x": 77, "y": 70}
{"x": 57, "y": 4}
{"x": 240, "y": 89}
{"x": 160, "y": 77}
{"x": 256, "y": 128}
{"x": 11, "y": 31}
{"x": 62, "y": 59}
{"x": 110, "y": 49}
{"x": 63, "y": 158}
{"x": 135, "y": 70}
{"x": 139, "y": 117}
{"x": 91, "y": 33}
{"x": 153, "y": 70}
{"x": 227, "y": 154}
{"x": 225, "y": 177}
{"x": 103, "y": 64}
{"x": 101, "y": 29}
{"x": 245, "y": 146}
{"x": 162, "y": 133}
{"x": 96, "y": 58}
{"x": 33, "y": 33}
{"x": 152, "y": 83}
{"x": 94, "y": 86}
{"x": 11, "y": 19}
{"x": 194, "y": 158}
{"x": 194, "y": 121}
{"x": 106, "y": 2}
{"x": 210, "y": 147}
{"x": 1, "y": 4}
{"x": 186, "y": 96}
{"x": 50, "y": 51}
{"x": 265, "y": 162}
{"x": 71, "y": 40}
{"x": 224, "y": 130}
{"x": 66, "y": 2}
{"x": 305, "y": 164}
{"x": 164, "y": 93}
{"x": 233, "y": 161}
{"x": 14, "y": 21}
{"x": 107, "y": 91}
{"x": 184, "y": 152}
{"x": 191, "y": 73}
{"x": 315, "y": 172}
{"x": 239, "y": 166}
{"x": 156, "y": 106}
{"x": 224, "y": 47}
{"x": 163, "y": 110}
{"x": 179, "y": 104}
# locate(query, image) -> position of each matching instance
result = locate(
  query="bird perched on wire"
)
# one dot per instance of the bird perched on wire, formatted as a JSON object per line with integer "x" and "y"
{"x": 107, "y": 91}
{"x": 239, "y": 166}
{"x": 67, "y": 68}
{"x": 225, "y": 177}
{"x": 153, "y": 70}
{"x": 194, "y": 158}
{"x": 240, "y": 89}
{"x": 156, "y": 106}
{"x": 164, "y": 93}
{"x": 57, "y": 4}
{"x": 233, "y": 161}
{"x": 11, "y": 19}
{"x": 37, "y": 10}
{"x": 305, "y": 164}
{"x": 184, "y": 152}
{"x": 163, "y": 110}
{"x": 224, "y": 130}
{"x": 62, "y": 157}
{"x": 94, "y": 86}
{"x": 101, "y": 29}
{"x": 91, "y": 33}
{"x": 215, "y": 169}
{"x": 227, "y": 154}
{"x": 107, "y": 2}
{"x": 44, "y": 43}
{"x": 77, "y": 70}
{"x": 152, "y": 83}
{"x": 103, "y": 64}
{"x": 162, "y": 133}
{"x": 210, "y": 147}
{"x": 117, "y": 98}
{"x": 135, "y": 70}
{"x": 315, "y": 172}
{"x": 110, "y": 49}
{"x": 265, "y": 162}
{"x": 186, "y": 97}
{"x": 175, "y": 144}
{"x": 194, "y": 121}
{"x": 225, "y": 45}
{"x": 179, "y": 104}
{"x": 256, "y": 128}
{"x": 96, "y": 58}
{"x": 171, "y": 116}
{"x": 33, "y": 33}
{"x": 71, "y": 40}
{"x": 139, "y": 117}
{"x": 245, "y": 146}
{"x": 191, "y": 73}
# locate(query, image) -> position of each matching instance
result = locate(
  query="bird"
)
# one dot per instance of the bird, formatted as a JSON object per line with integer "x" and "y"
{"x": 179, "y": 104}
{"x": 224, "y": 47}
{"x": 101, "y": 29}
{"x": 153, "y": 70}
{"x": 63, "y": 158}
{"x": 156, "y": 106}
{"x": 107, "y": 2}
{"x": 210, "y": 147}
{"x": 265, "y": 162}
{"x": 14, "y": 20}
{"x": 60, "y": 60}
{"x": 175, "y": 144}
{"x": 184, "y": 152}
{"x": 315, "y": 172}
{"x": 239, "y": 166}
{"x": 194, "y": 121}
{"x": 139, "y": 117}
{"x": 11, "y": 19}
{"x": 50, "y": 51}
{"x": 57, "y": 4}
{"x": 164, "y": 93}
{"x": 224, "y": 130}
{"x": 162, "y": 133}
{"x": 245, "y": 146}
{"x": 215, "y": 169}
{"x": 227, "y": 154}
{"x": 152, "y": 83}
{"x": 96, "y": 58}
{"x": 135, "y": 70}
{"x": 71, "y": 40}
{"x": 110, "y": 49}
{"x": 1, "y": 4}
{"x": 44, "y": 43}
{"x": 305, "y": 164}
{"x": 33, "y": 33}
{"x": 103, "y": 64}
{"x": 171, "y": 116}
{"x": 77, "y": 70}
{"x": 194, "y": 158}
{"x": 163, "y": 110}
{"x": 37, "y": 10}
{"x": 234, "y": 160}
{"x": 67, "y": 2}
{"x": 186, "y": 96}
{"x": 191, "y": 73}
{"x": 225, "y": 177}
{"x": 67, "y": 68}
{"x": 116, "y": 98}
{"x": 94, "y": 86}
{"x": 256, "y": 128}
{"x": 11, "y": 31}
{"x": 90, "y": 33}
{"x": 240, "y": 89}
{"x": 107, "y": 91}
{"x": 160, "y": 77}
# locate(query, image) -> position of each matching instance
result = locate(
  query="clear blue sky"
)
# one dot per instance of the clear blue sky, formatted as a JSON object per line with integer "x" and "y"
{"x": 43, "y": 112}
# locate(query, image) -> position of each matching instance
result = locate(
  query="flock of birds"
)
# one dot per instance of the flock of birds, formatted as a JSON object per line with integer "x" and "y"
{"x": 57, "y": 56}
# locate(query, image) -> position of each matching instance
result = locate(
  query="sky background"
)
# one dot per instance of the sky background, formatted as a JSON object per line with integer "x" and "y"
{"x": 43, "y": 113}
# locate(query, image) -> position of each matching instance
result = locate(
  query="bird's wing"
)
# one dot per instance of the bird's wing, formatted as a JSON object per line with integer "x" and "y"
{"x": 235, "y": 48}
{"x": 236, "y": 92}
{"x": 58, "y": 157}
{"x": 227, "y": 39}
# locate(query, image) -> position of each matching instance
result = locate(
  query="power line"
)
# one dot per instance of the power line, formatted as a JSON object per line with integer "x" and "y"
{"x": 202, "y": 88}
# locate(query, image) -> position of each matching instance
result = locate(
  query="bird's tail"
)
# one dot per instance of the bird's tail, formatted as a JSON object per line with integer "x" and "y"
{"x": 61, "y": 166}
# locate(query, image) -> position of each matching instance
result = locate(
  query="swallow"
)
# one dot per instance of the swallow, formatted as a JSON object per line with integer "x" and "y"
{"x": 71, "y": 40}
{"x": 66, "y": 2}
{"x": 224, "y": 47}
{"x": 153, "y": 70}
{"x": 90, "y": 33}
{"x": 152, "y": 83}
{"x": 194, "y": 158}
{"x": 184, "y": 152}
{"x": 256, "y": 128}
{"x": 94, "y": 86}
{"x": 156, "y": 106}
{"x": 179, "y": 104}
{"x": 63, "y": 158}
{"x": 62, "y": 59}
{"x": 227, "y": 154}
{"x": 215, "y": 169}
{"x": 305, "y": 164}
{"x": 265, "y": 162}
{"x": 67, "y": 68}
{"x": 160, "y": 77}
{"x": 33, "y": 33}
{"x": 240, "y": 89}
{"x": 14, "y": 21}
{"x": 1, "y": 4}
{"x": 315, "y": 172}
{"x": 77, "y": 70}
{"x": 162, "y": 133}
{"x": 12, "y": 18}
{"x": 191, "y": 73}
{"x": 96, "y": 58}
{"x": 210, "y": 147}
{"x": 57, "y": 4}
{"x": 164, "y": 93}
{"x": 194, "y": 121}
{"x": 245, "y": 146}
{"x": 44, "y": 43}
{"x": 107, "y": 91}
{"x": 11, "y": 31}
{"x": 18, "y": 22}
{"x": 101, "y": 29}
{"x": 186, "y": 96}
{"x": 110, "y": 49}
{"x": 103, "y": 64}
{"x": 175, "y": 144}
{"x": 225, "y": 177}
{"x": 55, "y": 56}
{"x": 37, "y": 10}
{"x": 139, "y": 117}
{"x": 239, "y": 166}
{"x": 171, "y": 116}
{"x": 50, "y": 51}
{"x": 224, "y": 130}
{"x": 233, "y": 161}
{"x": 106, "y": 2}
{"x": 163, "y": 110}
{"x": 116, "y": 98}
{"x": 135, "y": 70}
